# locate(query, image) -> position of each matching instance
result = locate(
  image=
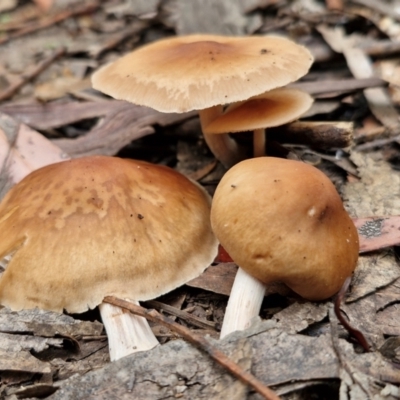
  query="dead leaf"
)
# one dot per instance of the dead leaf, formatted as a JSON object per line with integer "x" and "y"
{"x": 219, "y": 279}
{"x": 361, "y": 67}
{"x": 60, "y": 87}
{"x": 222, "y": 17}
{"x": 378, "y": 232}
{"x": 46, "y": 324}
{"x": 17, "y": 343}
{"x": 299, "y": 316}
{"x": 22, "y": 150}
{"x": 373, "y": 271}
{"x": 122, "y": 123}
{"x": 24, "y": 362}
{"x": 376, "y": 193}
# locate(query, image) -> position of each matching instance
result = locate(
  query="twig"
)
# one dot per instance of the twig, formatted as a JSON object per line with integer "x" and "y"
{"x": 338, "y": 85}
{"x": 358, "y": 335}
{"x": 200, "y": 342}
{"x": 341, "y": 358}
{"x": 51, "y": 20}
{"x": 191, "y": 319}
{"x": 318, "y": 134}
{"x": 10, "y": 91}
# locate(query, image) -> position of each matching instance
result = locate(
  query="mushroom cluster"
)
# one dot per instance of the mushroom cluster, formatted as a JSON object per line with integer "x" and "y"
{"x": 87, "y": 228}
{"x": 281, "y": 220}
{"x": 204, "y": 72}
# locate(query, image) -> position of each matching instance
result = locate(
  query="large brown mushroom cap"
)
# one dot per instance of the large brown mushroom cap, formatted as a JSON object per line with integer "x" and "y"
{"x": 283, "y": 220}
{"x": 195, "y": 72}
{"x": 274, "y": 108}
{"x": 91, "y": 227}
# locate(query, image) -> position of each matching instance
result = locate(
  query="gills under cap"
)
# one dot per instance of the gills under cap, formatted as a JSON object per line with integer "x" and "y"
{"x": 273, "y": 108}
{"x": 83, "y": 229}
{"x": 195, "y": 72}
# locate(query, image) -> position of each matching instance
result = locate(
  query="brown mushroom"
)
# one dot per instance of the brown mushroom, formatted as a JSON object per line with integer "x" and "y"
{"x": 274, "y": 108}
{"x": 87, "y": 228}
{"x": 281, "y": 220}
{"x": 199, "y": 72}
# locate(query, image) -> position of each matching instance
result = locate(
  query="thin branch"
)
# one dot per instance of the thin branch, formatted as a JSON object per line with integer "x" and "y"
{"x": 52, "y": 20}
{"x": 355, "y": 333}
{"x": 199, "y": 342}
{"x": 189, "y": 318}
{"x": 10, "y": 91}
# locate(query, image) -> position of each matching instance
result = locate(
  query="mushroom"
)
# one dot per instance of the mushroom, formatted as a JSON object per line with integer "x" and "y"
{"x": 273, "y": 108}
{"x": 87, "y": 228}
{"x": 281, "y": 220}
{"x": 202, "y": 72}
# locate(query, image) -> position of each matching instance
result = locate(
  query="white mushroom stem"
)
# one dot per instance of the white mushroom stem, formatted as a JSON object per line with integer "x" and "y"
{"x": 244, "y": 303}
{"x": 259, "y": 142}
{"x": 127, "y": 333}
{"x": 224, "y": 148}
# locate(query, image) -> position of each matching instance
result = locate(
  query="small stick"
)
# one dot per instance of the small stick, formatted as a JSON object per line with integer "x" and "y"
{"x": 318, "y": 134}
{"x": 51, "y": 20}
{"x": 200, "y": 342}
{"x": 10, "y": 91}
{"x": 191, "y": 319}
{"x": 358, "y": 335}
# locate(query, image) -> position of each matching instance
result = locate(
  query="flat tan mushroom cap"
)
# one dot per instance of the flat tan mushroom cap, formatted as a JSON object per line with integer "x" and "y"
{"x": 274, "y": 108}
{"x": 96, "y": 226}
{"x": 195, "y": 72}
{"x": 283, "y": 220}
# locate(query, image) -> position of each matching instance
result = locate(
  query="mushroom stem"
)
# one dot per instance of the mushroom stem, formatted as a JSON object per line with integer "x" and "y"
{"x": 244, "y": 303}
{"x": 259, "y": 142}
{"x": 224, "y": 148}
{"x": 127, "y": 333}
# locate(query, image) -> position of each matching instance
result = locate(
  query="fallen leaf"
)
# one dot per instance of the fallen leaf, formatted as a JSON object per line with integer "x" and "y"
{"x": 22, "y": 150}
{"x": 46, "y": 323}
{"x": 24, "y": 362}
{"x": 378, "y": 232}
{"x": 376, "y": 193}
{"x": 298, "y": 317}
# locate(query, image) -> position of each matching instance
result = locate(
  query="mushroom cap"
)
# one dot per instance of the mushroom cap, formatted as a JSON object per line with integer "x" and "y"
{"x": 195, "y": 72}
{"x": 274, "y": 108}
{"x": 91, "y": 227}
{"x": 283, "y": 220}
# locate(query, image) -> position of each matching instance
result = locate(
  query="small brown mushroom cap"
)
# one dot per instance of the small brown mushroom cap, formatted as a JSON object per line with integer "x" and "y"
{"x": 274, "y": 108}
{"x": 96, "y": 226}
{"x": 195, "y": 72}
{"x": 283, "y": 220}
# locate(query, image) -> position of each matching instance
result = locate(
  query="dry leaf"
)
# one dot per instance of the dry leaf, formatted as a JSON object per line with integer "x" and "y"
{"x": 24, "y": 362}
{"x": 22, "y": 150}
{"x": 46, "y": 323}
{"x": 378, "y": 232}
{"x": 60, "y": 87}
{"x": 298, "y": 317}
{"x": 17, "y": 343}
{"x": 376, "y": 193}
